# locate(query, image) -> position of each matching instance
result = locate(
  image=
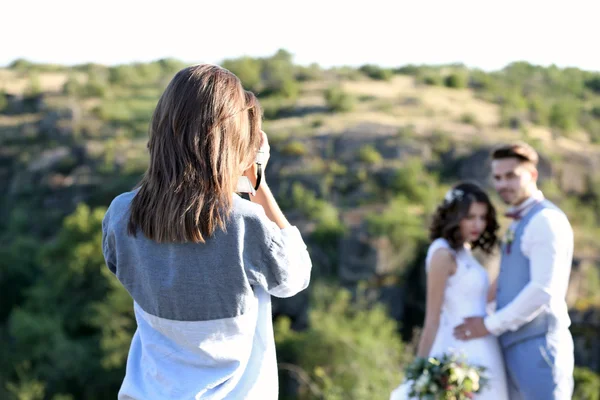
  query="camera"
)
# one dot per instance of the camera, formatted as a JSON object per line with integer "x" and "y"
{"x": 244, "y": 185}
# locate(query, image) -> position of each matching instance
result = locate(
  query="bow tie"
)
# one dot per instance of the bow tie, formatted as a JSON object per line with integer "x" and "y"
{"x": 516, "y": 215}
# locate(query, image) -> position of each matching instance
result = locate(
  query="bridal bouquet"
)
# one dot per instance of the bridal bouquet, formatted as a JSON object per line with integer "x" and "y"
{"x": 448, "y": 377}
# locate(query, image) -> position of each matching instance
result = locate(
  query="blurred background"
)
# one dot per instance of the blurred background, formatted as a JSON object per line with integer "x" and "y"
{"x": 373, "y": 110}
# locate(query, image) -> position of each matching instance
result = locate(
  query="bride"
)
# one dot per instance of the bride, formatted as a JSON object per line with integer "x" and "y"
{"x": 457, "y": 285}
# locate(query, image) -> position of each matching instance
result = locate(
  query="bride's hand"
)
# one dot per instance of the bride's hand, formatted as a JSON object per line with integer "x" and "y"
{"x": 471, "y": 328}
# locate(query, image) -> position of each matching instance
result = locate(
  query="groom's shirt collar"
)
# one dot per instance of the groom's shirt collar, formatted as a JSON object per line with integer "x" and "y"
{"x": 527, "y": 205}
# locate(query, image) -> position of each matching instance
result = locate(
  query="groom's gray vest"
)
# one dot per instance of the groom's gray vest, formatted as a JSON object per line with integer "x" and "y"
{"x": 514, "y": 275}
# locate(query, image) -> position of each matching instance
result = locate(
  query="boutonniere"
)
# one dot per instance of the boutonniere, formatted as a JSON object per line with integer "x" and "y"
{"x": 508, "y": 239}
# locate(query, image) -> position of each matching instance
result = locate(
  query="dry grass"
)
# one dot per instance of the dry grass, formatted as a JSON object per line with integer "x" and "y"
{"x": 17, "y": 120}
{"x": 400, "y": 102}
{"x": 397, "y": 86}
{"x": 15, "y": 83}
{"x": 445, "y": 103}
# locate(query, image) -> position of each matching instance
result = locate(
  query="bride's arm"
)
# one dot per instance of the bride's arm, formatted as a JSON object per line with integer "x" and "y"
{"x": 442, "y": 266}
{"x": 492, "y": 291}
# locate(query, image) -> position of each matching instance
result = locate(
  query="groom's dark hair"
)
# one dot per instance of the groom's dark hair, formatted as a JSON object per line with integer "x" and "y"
{"x": 519, "y": 150}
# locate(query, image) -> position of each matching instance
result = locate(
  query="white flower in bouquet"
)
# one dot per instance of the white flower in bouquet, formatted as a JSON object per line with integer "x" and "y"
{"x": 474, "y": 377}
{"x": 458, "y": 374}
{"x": 433, "y": 388}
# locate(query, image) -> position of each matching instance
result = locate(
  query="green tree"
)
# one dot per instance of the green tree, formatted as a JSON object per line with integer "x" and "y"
{"x": 329, "y": 227}
{"x": 418, "y": 185}
{"x": 122, "y": 75}
{"x": 351, "y": 350}
{"x": 564, "y": 115}
{"x": 76, "y": 323}
{"x": 19, "y": 266}
{"x": 247, "y": 69}
{"x": 21, "y": 65}
{"x": 593, "y": 84}
{"x": 403, "y": 225}
{"x": 170, "y": 66}
{"x": 278, "y": 76}
{"x": 539, "y": 111}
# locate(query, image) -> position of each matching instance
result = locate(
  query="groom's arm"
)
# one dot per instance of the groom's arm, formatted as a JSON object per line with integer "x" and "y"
{"x": 548, "y": 243}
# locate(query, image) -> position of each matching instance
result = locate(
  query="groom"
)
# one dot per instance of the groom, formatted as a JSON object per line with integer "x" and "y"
{"x": 532, "y": 320}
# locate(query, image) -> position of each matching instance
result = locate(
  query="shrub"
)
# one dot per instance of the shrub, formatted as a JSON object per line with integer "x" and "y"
{"x": 593, "y": 84}
{"x": 469, "y": 118}
{"x": 409, "y": 69}
{"x": 317, "y": 122}
{"x": 21, "y": 65}
{"x": 368, "y": 154}
{"x": 3, "y": 101}
{"x": 294, "y": 148}
{"x": 480, "y": 80}
{"x": 431, "y": 78}
{"x": 587, "y": 384}
{"x": 93, "y": 88}
{"x": 34, "y": 87}
{"x": 310, "y": 73}
{"x": 338, "y": 100}
{"x": 376, "y": 72}
{"x": 456, "y": 80}
{"x": 274, "y": 107}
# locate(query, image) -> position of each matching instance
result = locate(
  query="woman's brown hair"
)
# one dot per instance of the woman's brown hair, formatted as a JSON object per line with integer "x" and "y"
{"x": 454, "y": 208}
{"x": 204, "y": 132}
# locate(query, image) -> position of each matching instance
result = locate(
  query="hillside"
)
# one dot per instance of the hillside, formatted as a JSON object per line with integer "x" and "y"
{"x": 360, "y": 157}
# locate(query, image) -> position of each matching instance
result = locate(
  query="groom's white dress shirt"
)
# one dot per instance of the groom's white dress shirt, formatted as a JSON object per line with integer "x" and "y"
{"x": 547, "y": 241}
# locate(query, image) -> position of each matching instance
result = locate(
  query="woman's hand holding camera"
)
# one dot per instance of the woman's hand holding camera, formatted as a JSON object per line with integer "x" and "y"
{"x": 263, "y": 195}
{"x": 262, "y": 157}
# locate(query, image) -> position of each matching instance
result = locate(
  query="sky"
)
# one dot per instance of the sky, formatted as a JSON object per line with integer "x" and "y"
{"x": 486, "y": 34}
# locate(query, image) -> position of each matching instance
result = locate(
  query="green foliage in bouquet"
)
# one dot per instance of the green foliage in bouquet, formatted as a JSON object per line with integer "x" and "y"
{"x": 448, "y": 377}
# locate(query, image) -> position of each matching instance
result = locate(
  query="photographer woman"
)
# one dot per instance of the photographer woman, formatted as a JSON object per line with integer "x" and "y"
{"x": 199, "y": 261}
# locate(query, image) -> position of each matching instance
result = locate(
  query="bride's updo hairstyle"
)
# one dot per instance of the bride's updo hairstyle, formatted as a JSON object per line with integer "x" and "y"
{"x": 455, "y": 208}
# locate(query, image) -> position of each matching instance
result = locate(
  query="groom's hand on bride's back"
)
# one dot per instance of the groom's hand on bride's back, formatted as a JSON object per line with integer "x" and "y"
{"x": 471, "y": 328}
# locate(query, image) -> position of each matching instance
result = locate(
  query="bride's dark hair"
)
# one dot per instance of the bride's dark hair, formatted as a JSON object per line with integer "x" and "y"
{"x": 455, "y": 207}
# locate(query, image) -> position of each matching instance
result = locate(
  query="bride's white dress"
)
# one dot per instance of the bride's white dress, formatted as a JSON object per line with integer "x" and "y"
{"x": 466, "y": 296}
